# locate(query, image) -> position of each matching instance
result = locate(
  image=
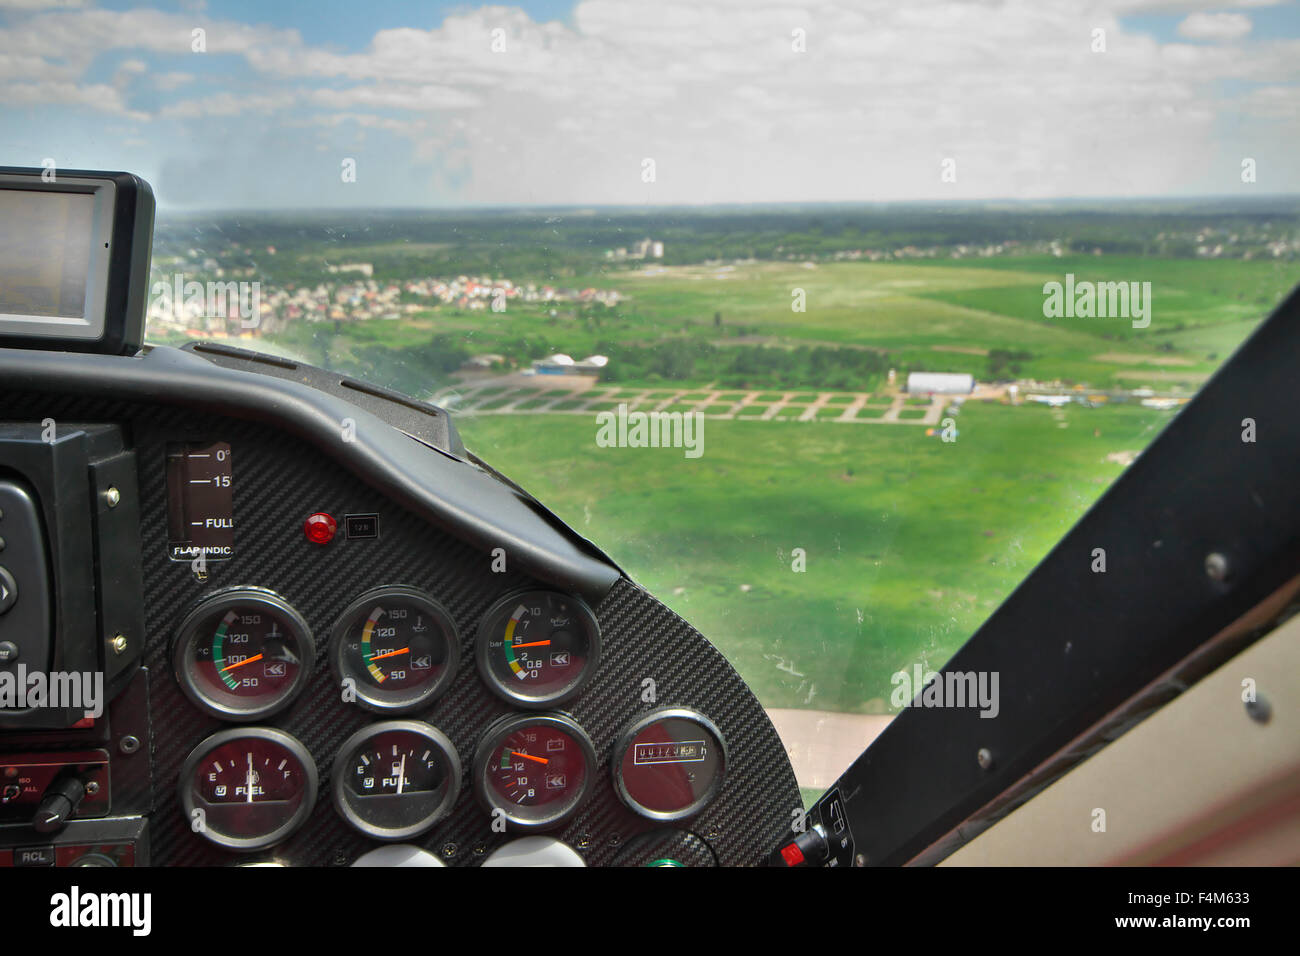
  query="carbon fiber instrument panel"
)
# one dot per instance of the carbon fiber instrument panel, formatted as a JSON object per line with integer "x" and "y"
{"x": 279, "y": 481}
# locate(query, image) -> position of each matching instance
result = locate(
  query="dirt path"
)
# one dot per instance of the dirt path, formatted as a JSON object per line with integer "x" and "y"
{"x": 822, "y": 743}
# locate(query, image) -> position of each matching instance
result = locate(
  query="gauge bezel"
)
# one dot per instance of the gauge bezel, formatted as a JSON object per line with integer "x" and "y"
{"x": 185, "y": 636}
{"x": 492, "y": 738}
{"x": 370, "y": 698}
{"x": 344, "y": 760}
{"x": 628, "y": 734}
{"x": 281, "y": 833}
{"x": 510, "y": 693}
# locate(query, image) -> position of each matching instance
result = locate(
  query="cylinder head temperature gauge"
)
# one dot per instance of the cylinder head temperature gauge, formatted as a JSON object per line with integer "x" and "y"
{"x": 397, "y": 646}
{"x": 248, "y": 788}
{"x": 242, "y": 654}
{"x": 534, "y": 770}
{"x": 537, "y": 649}
{"x": 669, "y": 763}
{"x": 396, "y": 779}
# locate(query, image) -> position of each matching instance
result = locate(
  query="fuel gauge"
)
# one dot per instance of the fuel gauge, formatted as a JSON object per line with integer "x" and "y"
{"x": 396, "y": 779}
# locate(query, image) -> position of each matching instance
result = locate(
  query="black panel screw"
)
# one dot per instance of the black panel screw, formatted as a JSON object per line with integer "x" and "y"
{"x": 449, "y": 850}
{"x": 985, "y": 758}
{"x": 1216, "y": 566}
{"x": 129, "y": 744}
{"x": 112, "y": 497}
{"x": 1259, "y": 709}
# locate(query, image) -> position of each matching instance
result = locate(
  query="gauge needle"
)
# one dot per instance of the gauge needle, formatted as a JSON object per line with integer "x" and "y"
{"x": 246, "y": 660}
{"x": 401, "y": 775}
{"x": 249, "y": 783}
{"x": 530, "y": 757}
{"x": 533, "y": 644}
{"x": 380, "y": 657}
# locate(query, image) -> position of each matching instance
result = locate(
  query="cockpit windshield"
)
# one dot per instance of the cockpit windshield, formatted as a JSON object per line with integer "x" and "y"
{"x": 824, "y": 323}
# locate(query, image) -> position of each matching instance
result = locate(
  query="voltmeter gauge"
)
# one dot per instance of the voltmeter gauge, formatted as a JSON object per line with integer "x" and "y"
{"x": 538, "y": 648}
{"x": 242, "y": 654}
{"x": 534, "y": 770}
{"x": 396, "y": 779}
{"x": 669, "y": 763}
{"x": 397, "y": 646}
{"x": 248, "y": 788}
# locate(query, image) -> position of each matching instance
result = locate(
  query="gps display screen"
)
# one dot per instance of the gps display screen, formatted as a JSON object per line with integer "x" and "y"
{"x": 45, "y": 251}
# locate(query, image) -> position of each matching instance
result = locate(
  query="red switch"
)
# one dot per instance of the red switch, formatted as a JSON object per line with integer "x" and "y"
{"x": 320, "y": 528}
{"x": 792, "y": 855}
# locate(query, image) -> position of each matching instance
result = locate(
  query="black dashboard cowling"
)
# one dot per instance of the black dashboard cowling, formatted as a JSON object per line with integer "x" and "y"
{"x": 439, "y": 519}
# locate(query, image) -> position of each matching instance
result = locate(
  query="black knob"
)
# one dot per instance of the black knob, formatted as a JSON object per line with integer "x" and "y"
{"x": 58, "y": 804}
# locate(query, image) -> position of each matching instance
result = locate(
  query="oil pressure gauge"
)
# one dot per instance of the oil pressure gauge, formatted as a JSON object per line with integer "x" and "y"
{"x": 537, "y": 648}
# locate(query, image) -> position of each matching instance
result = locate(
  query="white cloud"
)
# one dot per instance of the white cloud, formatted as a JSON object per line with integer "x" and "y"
{"x": 715, "y": 93}
{"x": 1215, "y": 26}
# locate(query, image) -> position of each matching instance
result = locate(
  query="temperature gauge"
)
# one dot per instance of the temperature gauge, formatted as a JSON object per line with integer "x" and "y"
{"x": 397, "y": 646}
{"x": 242, "y": 654}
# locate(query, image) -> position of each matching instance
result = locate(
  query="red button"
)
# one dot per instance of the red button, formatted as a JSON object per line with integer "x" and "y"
{"x": 320, "y": 528}
{"x": 792, "y": 855}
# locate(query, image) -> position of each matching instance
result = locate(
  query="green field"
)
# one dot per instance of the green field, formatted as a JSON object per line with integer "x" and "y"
{"x": 940, "y": 315}
{"x": 910, "y": 542}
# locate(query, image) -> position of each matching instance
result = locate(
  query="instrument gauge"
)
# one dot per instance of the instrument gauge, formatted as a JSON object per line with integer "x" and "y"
{"x": 248, "y": 788}
{"x": 242, "y": 654}
{"x": 537, "y": 649}
{"x": 669, "y": 763}
{"x": 534, "y": 769}
{"x": 397, "y": 646}
{"x": 396, "y": 779}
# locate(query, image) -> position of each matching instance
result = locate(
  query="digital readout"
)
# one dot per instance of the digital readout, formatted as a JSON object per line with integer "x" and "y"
{"x": 200, "y": 519}
{"x": 682, "y": 751}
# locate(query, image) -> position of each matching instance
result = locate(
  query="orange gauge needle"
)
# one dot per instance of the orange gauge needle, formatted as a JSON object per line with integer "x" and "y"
{"x": 533, "y": 644}
{"x": 530, "y": 757}
{"x": 380, "y": 657}
{"x": 246, "y": 660}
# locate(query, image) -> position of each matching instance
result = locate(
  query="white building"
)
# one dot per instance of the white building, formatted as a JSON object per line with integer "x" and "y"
{"x": 939, "y": 383}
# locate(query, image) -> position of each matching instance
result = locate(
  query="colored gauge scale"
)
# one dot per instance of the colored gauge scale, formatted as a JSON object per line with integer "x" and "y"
{"x": 248, "y": 788}
{"x": 538, "y": 648}
{"x": 396, "y": 779}
{"x": 668, "y": 764}
{"x": 243, "y": 654}
{"x": 534, "y": 770}
{"x": 397, "y": 646}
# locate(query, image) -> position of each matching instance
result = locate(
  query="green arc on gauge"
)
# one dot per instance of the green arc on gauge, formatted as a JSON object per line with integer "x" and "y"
{"x": 509, "y": 642}
{"x": 218, "y": 651}
{"x": 371, "y": 621}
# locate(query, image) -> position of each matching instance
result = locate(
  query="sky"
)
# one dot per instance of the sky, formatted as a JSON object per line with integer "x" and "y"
{"x": 249, "y": 104}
